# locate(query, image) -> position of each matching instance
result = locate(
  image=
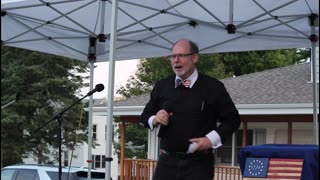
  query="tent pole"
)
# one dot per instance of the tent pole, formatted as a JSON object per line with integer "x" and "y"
{"x": 113, "y": 34}
{"x": 230, "y": 11}
{"x": 90, "y": 160}
{"x": 314, "y": 44}
{"x": 314, "y": 91}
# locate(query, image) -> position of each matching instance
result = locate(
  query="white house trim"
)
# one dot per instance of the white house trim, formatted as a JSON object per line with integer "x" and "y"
{"x": 244, "y": 109}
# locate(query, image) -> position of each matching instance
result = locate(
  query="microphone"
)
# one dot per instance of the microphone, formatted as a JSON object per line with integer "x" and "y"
{"x": 168, "y": 106}
{"x": 98, "y": 88}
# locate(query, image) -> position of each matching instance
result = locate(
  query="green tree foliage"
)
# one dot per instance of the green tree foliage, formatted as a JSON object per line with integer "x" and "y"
{"x": 220, "y": 65}
{"x": 46, "y": 84}
{"x": 254, "y": 61}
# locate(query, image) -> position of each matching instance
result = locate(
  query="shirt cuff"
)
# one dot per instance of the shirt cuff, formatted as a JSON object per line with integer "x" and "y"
{"x": 150, "y": 121}
{"x": 214, "y": 138}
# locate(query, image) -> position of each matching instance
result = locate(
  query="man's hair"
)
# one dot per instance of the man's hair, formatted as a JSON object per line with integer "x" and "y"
{"x": 193, "y": 47}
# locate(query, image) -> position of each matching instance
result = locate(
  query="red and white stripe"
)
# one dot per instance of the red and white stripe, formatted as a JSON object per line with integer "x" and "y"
{"x": 285, "y": 169}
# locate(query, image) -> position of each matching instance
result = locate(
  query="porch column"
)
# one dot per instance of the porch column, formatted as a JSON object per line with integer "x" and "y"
{"x": 244, "y": 134}
{"x": 234, "y": 150}
{"x": 289, "y": 132}
{"x": 123, "y": 143}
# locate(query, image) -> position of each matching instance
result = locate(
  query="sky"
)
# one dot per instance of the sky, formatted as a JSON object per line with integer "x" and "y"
{"x": 123, "y": 70}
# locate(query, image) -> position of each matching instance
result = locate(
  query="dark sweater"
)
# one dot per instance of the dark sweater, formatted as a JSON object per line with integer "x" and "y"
{"x": 196, "y": 111}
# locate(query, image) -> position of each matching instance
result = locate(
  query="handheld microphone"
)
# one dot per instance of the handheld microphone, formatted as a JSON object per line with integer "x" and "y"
{"x": 168, "y": 106}
{"x": 98, "y": 88}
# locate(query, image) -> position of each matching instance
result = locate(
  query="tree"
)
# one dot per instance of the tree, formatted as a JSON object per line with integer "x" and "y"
{"x": 46, "y": 84}
{"x": 254, "y": 61}
{"x": 220, "y": 65}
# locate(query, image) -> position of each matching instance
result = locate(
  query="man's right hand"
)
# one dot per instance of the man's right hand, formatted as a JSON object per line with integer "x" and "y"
{"x": 162, "y": 117}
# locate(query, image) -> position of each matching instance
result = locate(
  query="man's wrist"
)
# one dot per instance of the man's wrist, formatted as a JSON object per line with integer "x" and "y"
{"x": 154, "y": 122}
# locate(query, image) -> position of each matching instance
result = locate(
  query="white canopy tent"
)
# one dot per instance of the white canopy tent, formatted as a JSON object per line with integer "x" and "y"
{"x": 105, "y": 30}
{"x": 148, "y": 28}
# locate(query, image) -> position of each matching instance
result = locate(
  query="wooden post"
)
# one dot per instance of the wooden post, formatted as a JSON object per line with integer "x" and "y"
{"x": 244, "y": 134}
{"x": 289, "y": 132}
{"x": 123, "y": 143}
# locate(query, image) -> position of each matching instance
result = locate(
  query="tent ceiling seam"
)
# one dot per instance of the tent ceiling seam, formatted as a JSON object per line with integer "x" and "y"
{"x": 144, "y": 40}
{"x": 46, "y": 23}
{"x": 223, "y": 42}
{"x": 70, "y": 19}
{"x": 215, "y": 17}
{"x": 34, "y": 5}
{"x": 28, "y": 27}
{"x": 154, "y": 28}
{"x": 69, "y": 47}
{"x": 270, "y": 27}
{"x": 263, "y": 14}
{"x": 198, "y": 21}
{"x": 277, "y": 19}
{"x": 146, "y": 27}
{"x": 159, "y": 11}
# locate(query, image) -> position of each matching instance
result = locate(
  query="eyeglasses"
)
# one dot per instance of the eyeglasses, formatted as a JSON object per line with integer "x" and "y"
{"x": 180, "y": 56}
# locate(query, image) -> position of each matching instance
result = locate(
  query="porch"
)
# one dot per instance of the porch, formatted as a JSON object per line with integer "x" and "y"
{"x": 143, "y": 169}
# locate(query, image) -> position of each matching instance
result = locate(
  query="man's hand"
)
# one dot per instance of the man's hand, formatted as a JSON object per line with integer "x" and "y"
{"x": 162, "y": 117}
{"x": 201, "y": 144}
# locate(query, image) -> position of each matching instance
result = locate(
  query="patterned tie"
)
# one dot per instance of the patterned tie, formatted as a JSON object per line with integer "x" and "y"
{"x": 186, "y": 83}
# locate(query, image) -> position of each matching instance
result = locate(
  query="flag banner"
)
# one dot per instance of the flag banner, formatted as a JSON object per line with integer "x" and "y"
{"x": 281, "y": 168}
{"x": 256, "y": 167}
{"x": 273, "y": 169}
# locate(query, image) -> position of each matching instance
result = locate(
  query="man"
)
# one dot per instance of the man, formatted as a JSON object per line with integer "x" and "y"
{"x": 187, "y": 107}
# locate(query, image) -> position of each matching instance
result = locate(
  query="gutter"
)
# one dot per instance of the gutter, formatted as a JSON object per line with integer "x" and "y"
{"x": 244, "y": 109}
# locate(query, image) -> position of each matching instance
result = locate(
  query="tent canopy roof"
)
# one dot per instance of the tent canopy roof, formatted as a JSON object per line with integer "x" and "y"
{"x": 148, "y": 28}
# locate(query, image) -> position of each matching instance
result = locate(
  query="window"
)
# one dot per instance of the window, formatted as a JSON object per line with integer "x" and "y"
{"x": 27, "y": 174}
{"x": 7, "y": 174}
{"x": 260, "y": 136}
{"x": 98, "y": 161}
{"x": 65, "y": 158}
{"x": 224, "y": 153}
{"x": 65, "y": 175}
{"x": 94, "y": 132}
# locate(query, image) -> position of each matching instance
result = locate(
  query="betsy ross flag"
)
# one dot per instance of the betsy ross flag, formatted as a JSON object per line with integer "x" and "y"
{"x": 285, "y": 168}
{"x": 272, "y": 169}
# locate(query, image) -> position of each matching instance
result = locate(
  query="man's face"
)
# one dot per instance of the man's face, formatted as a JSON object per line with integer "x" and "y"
{"x": 183, "y": 64}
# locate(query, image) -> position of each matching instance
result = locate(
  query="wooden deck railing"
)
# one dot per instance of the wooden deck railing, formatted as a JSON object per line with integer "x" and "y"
{"x": 143, "y": 169}
{"x": 138, "y": 169}
{"x": 227, "y": 173}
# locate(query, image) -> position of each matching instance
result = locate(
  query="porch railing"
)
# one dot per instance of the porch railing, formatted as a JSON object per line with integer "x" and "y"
{"x": 143, "y": 169}
{"x": 227, "y": 173}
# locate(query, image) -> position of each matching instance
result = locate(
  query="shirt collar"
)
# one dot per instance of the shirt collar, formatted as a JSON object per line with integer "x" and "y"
{"x": 193, "y": 77}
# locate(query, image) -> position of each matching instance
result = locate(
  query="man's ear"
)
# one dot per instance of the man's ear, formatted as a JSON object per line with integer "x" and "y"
{"x": 195, "y": 58}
